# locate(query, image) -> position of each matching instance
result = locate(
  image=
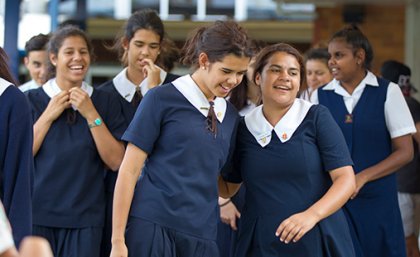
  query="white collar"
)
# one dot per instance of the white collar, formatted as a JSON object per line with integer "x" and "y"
{"x": 196, "y": 97}
{"x": 261, "y": 129}
{"x": 127, "y": 89}
{"x": 4, "y": 84}
{"x": 370, "y": 79}
{"x": 52, "y": 89}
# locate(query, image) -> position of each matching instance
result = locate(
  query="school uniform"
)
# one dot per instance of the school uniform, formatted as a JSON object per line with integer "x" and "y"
{"x": 226, "y": 236}
{"x": 285, "y": 171}
{"x": 31, "y": 84}
{"x": 124, "y": 90}
{"x": 69, "y": 192}
{"x": 375, "y": 113}
{"x": 174, "y": 211}
{"x": 16, "y": 160}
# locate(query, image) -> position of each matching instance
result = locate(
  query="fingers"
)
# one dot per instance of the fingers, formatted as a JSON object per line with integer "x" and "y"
{"x": 287, "y": 231}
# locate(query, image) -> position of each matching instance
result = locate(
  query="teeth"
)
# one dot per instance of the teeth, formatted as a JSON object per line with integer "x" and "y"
{"x": 334, "y": 69}
{"x": 76, "y": 67}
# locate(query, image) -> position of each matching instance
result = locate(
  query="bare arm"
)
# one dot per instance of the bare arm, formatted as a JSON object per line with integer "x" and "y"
{"x": 55, "y": 107}
{"x": 402, "y": 153}
{"x": 416, "y": 135}
{"x": 226, "y": 189}
{"x": 124, "y": 189}
{"x": 110, "y": 149}
{"x": 297, "y": 225}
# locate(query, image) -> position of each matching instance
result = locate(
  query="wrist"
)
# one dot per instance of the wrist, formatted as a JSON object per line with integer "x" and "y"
{"x": 95, "y": 123}
{"x": 225, "y": 202}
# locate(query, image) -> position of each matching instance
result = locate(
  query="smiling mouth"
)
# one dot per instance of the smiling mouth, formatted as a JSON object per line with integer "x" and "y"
{"x": 76, "y": 67}
{"x": 282, "y": 88}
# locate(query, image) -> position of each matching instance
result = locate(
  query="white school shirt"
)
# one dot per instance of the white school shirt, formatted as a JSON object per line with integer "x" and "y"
{"x": 6, "y": 238}
{"x": 397, "y": 115}
{"x": 127, "y": 89}
{"x": 190, "y": 90}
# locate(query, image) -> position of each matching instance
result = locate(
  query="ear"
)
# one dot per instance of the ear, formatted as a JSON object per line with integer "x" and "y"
{"x": 26, "y": 61}
{"x": 360, "y": 56}
{"x": 125, "y": 43}
{"x": 203, "y": 60}
{"x": 53, "y": 59}
{"x": 258, "y": 79}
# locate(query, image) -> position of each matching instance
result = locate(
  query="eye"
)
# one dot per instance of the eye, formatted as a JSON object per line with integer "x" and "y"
{"x": 154, "y": 46}
{"x": 274, "y": 70}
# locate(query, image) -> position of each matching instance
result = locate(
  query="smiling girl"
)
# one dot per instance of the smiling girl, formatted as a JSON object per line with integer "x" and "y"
{"x": 75, "y": 135}
{"x": 178, "y": 141}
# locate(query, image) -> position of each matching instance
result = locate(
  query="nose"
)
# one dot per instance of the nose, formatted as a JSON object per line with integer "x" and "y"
{"x": 234, "y": 79}
{"x": 284, "y": 75}
{"x": 145, "y": 51}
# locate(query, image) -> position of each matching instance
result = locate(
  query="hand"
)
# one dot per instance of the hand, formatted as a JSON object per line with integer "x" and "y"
{"x": 296, "y": 226}
{"x": 360, "y": 182}
{"x": 229, "y": 214}
{"x": 152, "y": 72}
{"x": 119, "y": 249}
{"x": 412, "y": 246}
{"x": 81, "y": 100}
{"x": 57, "y": 105}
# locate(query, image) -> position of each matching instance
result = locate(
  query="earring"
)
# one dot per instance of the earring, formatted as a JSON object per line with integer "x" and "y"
{"x": 203, "y": 67}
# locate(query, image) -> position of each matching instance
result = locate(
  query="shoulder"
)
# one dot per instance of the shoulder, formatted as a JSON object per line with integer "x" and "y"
{"x": 106, "y": 86}
{"x": 170, "y": 77}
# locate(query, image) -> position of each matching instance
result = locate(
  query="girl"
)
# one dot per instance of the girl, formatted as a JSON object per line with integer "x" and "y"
{"x": 178, "y": 141}
{"x": 139, "y": 49}
{"x": 293, "y": 160}
{"x": 75, "y": 135}
{"x": 377, "y": 125}
{"x": 16, "y": 160}
{"x": 317, "y": 71}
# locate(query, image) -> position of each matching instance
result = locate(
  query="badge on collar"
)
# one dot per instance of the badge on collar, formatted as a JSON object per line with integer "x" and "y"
{"x": 349, "y": 118}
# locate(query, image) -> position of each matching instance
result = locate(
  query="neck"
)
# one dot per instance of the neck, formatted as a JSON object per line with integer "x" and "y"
{"x": 351, "y": 84}
{"x": 66, "y": 84}
{"x": 274, "y": 114}
{"x": 196, "y": 77}
{"x": 135, "y": 76}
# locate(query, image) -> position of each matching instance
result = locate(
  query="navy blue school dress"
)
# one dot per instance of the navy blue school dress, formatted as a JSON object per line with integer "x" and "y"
{"x": 374, "y": 215}
{"x": 285, "y": 171}
{"x": 174, "y": 211}
{"x": 124, "y": 90}
{"x": 69, "y": 193}
{"x": 16, "y": 160}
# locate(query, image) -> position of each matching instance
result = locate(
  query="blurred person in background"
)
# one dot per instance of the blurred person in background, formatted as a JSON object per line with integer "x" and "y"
{"x": 408, "y": 177}
{"x": 36, "y": 61}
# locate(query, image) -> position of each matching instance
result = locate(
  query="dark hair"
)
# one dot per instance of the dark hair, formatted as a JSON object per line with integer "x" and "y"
{"x": 5, "y": 72}
{"x": 354, "y": 37}
{"x": 169, "y": 54}
{"x": 147, "y": 19}
{"x": 37, "y": 43}
{"x": 267, "y": 52}
{"x": 57, "y": 40}
{"x": 318, "y": 54}
{"x": 217, "y": 40}
{"x": 398, "y": 73}
{"x": 239, "y": 95}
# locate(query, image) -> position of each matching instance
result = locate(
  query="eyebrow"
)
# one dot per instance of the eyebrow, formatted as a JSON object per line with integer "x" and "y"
{"x": 227, "y": 69}
{"x": 281, "y": 67}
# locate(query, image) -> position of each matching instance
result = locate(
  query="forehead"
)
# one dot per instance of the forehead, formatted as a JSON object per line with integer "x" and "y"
{"x": 283, "y": 59}
{"x": 339, "y": 44}
{"x": 36, "y": 55}
{"x": 233, "y": 62}
{"x": 315, "y": 64}
{"x": 74, "y": 42}
{"x": 146, "y": 35}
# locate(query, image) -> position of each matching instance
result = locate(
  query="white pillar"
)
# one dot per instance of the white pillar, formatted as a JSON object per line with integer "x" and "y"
{"x": 164, "y": 9}
{"x": 241, "y": 10}
{"x": 412, "y": 37}
{"x": 201, "y": 10}
{"x": 122, "y": 9}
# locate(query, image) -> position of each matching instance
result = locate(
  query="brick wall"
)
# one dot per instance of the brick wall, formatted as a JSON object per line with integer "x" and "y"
{"x": 384, "y": 26}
